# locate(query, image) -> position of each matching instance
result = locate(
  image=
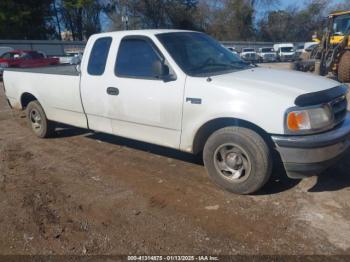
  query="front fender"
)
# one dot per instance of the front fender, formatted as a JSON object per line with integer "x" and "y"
{"x": 258, "y": 106}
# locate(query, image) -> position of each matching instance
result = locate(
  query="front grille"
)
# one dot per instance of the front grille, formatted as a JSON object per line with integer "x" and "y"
{"x": 250, "y": 56}
{"x": 339, "y": 108}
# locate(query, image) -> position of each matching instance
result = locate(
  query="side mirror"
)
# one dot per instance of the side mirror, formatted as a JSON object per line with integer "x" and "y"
{"x": 160, "y": 70}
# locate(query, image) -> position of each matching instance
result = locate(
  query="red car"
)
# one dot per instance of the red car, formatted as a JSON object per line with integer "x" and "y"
{"x": 25, "y": 58}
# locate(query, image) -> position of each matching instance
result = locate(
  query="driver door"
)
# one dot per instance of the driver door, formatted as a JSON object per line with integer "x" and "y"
{"x": 143, "y": 106}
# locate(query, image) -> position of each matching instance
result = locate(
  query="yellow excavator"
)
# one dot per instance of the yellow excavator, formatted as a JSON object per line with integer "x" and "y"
{"x": 333, "y": 52}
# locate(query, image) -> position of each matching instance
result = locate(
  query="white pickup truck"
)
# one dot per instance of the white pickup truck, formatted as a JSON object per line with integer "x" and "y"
{"x": 183, "y": 90}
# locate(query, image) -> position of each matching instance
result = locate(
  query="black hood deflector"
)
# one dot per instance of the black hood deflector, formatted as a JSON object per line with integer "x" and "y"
{"x": 321, "y": 97}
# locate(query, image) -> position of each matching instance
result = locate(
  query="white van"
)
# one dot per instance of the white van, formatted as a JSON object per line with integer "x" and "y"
{"x": 285, "y": 52}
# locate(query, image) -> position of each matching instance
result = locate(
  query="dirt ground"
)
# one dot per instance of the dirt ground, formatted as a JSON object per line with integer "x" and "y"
{"x": 90, "y": 193}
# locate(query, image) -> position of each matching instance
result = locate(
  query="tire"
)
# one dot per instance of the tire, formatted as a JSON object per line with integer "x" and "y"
{"x": 243, "y": 150}
{"x": 344, "y": 67}
{"x": 38, "y": 122}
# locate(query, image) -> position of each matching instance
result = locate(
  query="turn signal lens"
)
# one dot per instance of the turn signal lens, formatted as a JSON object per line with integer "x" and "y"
{"x": 298, "y": 120}
{"x": 309, "y": 119}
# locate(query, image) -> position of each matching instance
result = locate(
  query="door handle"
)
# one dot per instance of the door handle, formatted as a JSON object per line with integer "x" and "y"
{"x": 113, "y": 91}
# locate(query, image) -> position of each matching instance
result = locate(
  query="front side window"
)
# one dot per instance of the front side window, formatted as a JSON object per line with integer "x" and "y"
{"x": 200, "y": 55}
{"x": 136, "y": 57}
{"x": 98, "y": 56}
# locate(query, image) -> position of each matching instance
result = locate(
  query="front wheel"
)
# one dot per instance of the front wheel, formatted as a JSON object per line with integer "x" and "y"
{"x": 37, "y": 120}
{"x": 237, "y": 159}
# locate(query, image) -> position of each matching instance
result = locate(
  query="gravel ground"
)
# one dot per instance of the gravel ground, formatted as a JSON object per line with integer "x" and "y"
{"x": 281, "y": 65}
{"x": 90, "y": 193}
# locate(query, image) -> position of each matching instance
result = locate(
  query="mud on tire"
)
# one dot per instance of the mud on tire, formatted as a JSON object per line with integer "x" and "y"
{"x": 344, "y": 67}
{"x": 37, "y": 120}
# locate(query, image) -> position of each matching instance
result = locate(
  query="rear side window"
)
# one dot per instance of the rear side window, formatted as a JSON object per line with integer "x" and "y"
{"x": 136, "y": 57}
{"x": 98, "y": 56}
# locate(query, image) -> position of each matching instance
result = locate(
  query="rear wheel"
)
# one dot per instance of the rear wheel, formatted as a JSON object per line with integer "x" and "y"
{"x": 237, "y": 159}
{"x": 38, "y": 122}
{"x": 344, "y": 67}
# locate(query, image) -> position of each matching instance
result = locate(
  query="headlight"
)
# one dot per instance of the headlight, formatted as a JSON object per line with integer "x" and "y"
{"x": 309, "y": 120}
{"x": 4, "y": 65}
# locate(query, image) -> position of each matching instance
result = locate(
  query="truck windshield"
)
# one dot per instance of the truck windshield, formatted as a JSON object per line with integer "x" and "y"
{"x": 200, "y": 55}
{"x": 267, "y": 50}
{"x": 287, "y": 49}
{"x": 341, "y": 25}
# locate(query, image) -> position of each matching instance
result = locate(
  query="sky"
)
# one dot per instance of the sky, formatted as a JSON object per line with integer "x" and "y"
{"x": 286, "y": 3}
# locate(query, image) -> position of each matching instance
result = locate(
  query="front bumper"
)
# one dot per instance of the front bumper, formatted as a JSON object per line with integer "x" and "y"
{"x": 269, "y": 59}
{"x": 287, "y": 58}
{"x": 305, "y": 156}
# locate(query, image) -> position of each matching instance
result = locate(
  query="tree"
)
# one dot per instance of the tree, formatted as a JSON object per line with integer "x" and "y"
{"x": 278, "y": 26}
{"x": 294, "y": 24}
{"x": 26, "y": 19}
{"x": 57, "y": 19}
{"x": 116, "y": 9}
{"x": 81, "y": 17}
{"x": 181, "y": 14}
{"x": 231, "y": 19}
{"x": 152, "y": 13}
{"x": 310, "y": 20}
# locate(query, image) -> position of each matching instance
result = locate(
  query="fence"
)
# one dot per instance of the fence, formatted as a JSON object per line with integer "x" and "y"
{"x": 240, "y": 44}
{"x": 58, "y": 48}
{"x": 49, "y": 47}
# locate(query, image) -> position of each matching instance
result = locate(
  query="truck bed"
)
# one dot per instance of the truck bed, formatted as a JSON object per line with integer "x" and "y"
{"x": 55, "y": 70}
{"x": 57, "y": 88}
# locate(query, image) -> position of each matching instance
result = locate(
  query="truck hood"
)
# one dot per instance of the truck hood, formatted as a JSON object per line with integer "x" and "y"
{"x": 289, "y": 84}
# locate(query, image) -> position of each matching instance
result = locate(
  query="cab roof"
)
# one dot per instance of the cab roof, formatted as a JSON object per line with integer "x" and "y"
{"x": 338, "y": 13}
{"x": 144, "y": 32}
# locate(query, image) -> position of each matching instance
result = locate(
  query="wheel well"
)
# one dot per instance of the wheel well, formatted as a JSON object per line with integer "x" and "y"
{"x": 210, "y": 127}
{"x": 26, "y": 98}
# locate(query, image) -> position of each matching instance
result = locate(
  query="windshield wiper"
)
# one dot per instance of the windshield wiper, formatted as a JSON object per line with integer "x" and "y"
{"x": 204, "y": 66}
{"x": 241, "y": 64}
